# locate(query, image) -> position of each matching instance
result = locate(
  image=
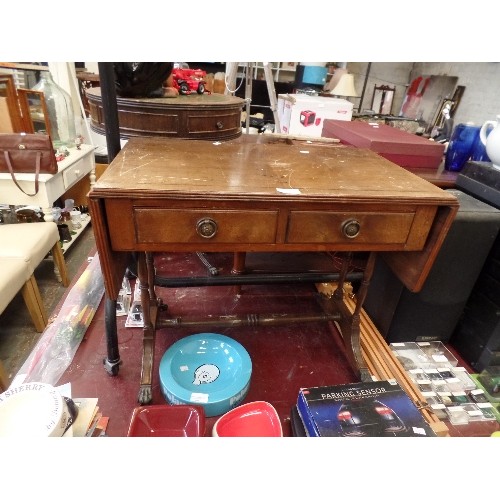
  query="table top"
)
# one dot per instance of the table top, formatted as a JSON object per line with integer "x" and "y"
{"x": 262, "y": 168}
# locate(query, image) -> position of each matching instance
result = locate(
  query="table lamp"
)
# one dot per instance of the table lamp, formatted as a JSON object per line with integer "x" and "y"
{"x": 345, "y": 87}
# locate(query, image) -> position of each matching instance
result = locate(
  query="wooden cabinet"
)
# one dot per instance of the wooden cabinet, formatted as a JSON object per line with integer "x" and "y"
{"x": 206, "y": 116}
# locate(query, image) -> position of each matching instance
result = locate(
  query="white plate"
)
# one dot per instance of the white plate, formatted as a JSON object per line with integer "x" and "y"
{"x": 33, "y": 410}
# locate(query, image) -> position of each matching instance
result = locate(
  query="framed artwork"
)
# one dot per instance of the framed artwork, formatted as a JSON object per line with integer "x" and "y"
{"x": 10, "y": 113}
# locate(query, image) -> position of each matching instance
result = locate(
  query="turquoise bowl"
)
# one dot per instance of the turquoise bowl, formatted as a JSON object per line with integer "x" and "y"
{"x": 206, "y": 369}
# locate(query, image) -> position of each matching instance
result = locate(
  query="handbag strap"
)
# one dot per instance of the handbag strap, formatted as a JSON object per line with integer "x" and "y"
{"x": 37, "y": 172}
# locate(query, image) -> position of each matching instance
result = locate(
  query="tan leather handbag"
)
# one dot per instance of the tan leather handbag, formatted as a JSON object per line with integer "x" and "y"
{"x": 27, "y": 153}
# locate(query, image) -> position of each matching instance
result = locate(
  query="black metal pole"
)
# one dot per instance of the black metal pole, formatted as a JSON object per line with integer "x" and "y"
{"x": 110, "y": 108}
{"x": 364, "y": 87}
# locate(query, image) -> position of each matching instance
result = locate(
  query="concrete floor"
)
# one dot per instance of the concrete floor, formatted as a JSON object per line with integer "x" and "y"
{"x": 17, "y": 333}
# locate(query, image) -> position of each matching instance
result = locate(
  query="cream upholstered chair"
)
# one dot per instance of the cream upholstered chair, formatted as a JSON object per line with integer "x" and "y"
{"x": 15, "y": 276}
{"x": 4, "y": 381}
{"x": 32, "y": 242}
{"x": 22, "y": 249}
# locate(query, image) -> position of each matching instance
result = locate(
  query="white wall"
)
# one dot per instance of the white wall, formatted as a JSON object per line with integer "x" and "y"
{"x": 92, "y": 67}
{"x": 394, "y": 74}
{"x": 481, "y": 99}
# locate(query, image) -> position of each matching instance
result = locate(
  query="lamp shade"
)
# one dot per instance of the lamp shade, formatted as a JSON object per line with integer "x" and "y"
{"x": 345, "y": 86}
{"x": 337, "y": 75}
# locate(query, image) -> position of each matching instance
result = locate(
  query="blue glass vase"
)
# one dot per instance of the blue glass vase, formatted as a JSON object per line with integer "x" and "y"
{"x": 461, "y": 146}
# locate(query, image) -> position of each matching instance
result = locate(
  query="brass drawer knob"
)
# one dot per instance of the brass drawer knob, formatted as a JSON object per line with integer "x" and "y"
{"x": 219, "y": 125}
{"x": 351, "y": 228}
{"x": 206, "y": 228}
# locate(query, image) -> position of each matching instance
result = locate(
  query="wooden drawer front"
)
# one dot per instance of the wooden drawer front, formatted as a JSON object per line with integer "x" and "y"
{"x": 132, "y": 123}
{"x": 75, "y": 172}
{"x": 214, "y": 122}
{"x": 157, "y": 225}
{"x": 328, "y": 227}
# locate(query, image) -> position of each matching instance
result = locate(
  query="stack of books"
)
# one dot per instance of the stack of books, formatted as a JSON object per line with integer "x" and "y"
{"x": 362, "y": 409}
{"x": 89, "y": 421}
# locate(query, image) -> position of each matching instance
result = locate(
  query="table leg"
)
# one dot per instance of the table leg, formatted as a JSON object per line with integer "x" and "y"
{"x": 349, "y": 323}
{"x": 238, "y": 268}
{"x": 238, "y": 263}
{"x": 150, "y": 267}
{"x": 145, "y": 271}
{"x": 112, "y": 362}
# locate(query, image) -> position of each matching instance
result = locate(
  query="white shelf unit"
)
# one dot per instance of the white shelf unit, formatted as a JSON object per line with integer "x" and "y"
{"x": 282, "y": 72}
{"x": 75, "y": 233}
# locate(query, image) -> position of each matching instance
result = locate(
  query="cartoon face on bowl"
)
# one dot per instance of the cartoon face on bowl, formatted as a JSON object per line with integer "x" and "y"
{"x": 205, "y": 374}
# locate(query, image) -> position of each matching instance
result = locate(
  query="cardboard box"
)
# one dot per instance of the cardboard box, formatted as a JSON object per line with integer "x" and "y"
{"x": 398, "y": 146}
{"x": 302, "y": 114}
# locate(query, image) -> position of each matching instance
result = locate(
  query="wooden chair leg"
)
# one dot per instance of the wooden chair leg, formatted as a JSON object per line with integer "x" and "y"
{"x": 60, "y": 263}
{"x": 34, "y": 303}
{"x": 4, "y": 381}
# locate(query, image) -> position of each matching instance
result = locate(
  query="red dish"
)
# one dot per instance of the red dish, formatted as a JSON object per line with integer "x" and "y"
{"x": 167, "y": 421}
{"x": 255, "y": 419}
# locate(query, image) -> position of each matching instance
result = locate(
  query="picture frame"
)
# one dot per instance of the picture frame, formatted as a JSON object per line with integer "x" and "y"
{"x": 382, "y": 99}
{"x": 457, "y": 97}
{"x": 439, "y": 118}
{"x": 34, "y": 111}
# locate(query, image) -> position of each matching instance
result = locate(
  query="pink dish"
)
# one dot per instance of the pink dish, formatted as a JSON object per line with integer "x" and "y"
{"x": 255, "y": 419}
{"x": 167, "y": 421}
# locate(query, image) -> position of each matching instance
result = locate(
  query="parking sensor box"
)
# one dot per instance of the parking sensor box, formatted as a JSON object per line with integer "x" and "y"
{"x": 304, "y": 115}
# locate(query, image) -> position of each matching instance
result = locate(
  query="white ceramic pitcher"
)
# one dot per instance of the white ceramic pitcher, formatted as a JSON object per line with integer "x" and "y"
{"x": 492, "y": 140}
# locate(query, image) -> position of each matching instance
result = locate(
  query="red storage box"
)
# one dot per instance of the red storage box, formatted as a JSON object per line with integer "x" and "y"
{"x": 398, "y": 146}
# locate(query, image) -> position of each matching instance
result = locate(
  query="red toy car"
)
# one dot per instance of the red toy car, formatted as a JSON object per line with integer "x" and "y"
{"x": 187, "y": 81}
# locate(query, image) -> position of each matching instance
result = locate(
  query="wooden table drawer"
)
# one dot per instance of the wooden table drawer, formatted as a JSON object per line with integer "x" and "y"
{"x": 160, "y": 225}
{"x": 345, "y": 227}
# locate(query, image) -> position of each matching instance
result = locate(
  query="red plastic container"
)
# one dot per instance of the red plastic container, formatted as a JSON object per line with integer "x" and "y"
{"x": 167, "y": 421}
{"x": 255, "y": 419}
